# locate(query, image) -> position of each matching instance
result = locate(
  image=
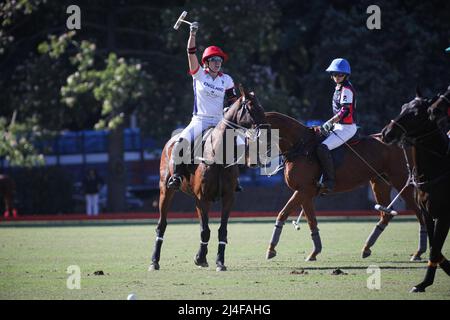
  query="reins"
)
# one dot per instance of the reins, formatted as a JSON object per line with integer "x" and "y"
{"x": 363, "y": 160}
{"x": 252, "y": 134}
{"x": 413, "y": 179}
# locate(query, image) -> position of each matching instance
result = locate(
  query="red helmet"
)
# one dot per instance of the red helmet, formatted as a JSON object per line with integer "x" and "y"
{"x": 213, "y": 51}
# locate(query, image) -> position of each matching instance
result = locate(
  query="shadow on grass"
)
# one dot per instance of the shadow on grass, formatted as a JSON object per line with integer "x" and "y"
{"x": 363, "y": 267}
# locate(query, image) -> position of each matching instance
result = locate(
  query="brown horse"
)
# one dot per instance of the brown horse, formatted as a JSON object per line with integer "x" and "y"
{"x": 206, "y": 183}
{"x": 302, "y": 173}
{"x": 7, "y": 189}
{"x": 431, "y": 172}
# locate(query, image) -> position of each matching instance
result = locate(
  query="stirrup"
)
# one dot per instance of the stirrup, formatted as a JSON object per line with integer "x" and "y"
{"x": 174, "y": 182}
{"x": 324, "y": 188}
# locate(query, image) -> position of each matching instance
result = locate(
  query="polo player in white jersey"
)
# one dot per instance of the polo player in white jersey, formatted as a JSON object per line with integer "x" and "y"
{"x": 212, "y": 91}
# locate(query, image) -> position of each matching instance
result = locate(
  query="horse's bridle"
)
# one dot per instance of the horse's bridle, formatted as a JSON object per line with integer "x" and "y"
{"x": 251, "y": 133}
{"x": 413, "y": 141}
{"x": 443, "y": 97}
{"x": 406, "y": 136}
{"x": 414, "y": 180}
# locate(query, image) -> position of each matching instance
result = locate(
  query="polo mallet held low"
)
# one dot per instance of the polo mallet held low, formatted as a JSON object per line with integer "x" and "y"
{"x": 297, "y": 223}
{"x": 388, "y": 209}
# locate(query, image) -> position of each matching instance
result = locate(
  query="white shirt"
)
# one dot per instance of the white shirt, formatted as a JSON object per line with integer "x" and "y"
{"x": 346, "y": 96}
{"x": 209, "y": 93}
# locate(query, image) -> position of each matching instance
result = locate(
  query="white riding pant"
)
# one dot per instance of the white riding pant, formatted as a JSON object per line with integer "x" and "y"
{"x": 340, "y": 134}
{"x": 200, "y": 123}
{"x": 92, "y": 204}
{"x": 196, "y": 127}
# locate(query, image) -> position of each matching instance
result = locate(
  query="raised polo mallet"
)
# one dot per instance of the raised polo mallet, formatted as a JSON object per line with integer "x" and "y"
{"x": 297, "y": 223}
{"x": 180, "y": 20}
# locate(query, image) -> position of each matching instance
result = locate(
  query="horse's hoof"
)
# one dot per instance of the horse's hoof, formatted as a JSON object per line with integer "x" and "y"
{"x": 221, "y": 267}
{"x": 154, "y": 266}
{"x": 201, "y": 264}
{"x": 311, "y": 257}
{"x": 366, "y": 253}
{"x": 417, "y": 289}
{"x": 415, "y": 258}
{"x": 270, "y": 254}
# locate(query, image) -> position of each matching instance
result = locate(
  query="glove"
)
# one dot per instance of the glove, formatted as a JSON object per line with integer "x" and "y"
{"x": 328, "y": 126}
{"x": 194, "y": 27}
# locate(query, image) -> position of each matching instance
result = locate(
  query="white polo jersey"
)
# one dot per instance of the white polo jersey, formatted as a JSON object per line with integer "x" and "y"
{"x": 209, "y": 93}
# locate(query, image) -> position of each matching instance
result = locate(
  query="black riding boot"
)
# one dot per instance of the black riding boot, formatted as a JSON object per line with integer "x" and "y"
{"x": 176, "y": 179}
{"x": 326, "y": 162}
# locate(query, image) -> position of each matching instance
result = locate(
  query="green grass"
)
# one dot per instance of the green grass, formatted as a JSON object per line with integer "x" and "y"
{"x": 33, "y": 263}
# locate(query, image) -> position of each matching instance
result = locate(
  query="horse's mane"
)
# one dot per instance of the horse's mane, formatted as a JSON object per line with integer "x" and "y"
{"x": 285, "y": 118}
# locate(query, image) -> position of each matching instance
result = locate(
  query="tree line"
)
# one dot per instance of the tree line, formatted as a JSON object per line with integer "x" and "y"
{"x": 128, "y": 60}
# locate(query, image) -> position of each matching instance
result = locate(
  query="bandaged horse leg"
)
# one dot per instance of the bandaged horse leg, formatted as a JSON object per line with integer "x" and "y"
{"x": 423, "y": 235}
{"x": 382, "y": 195}
{"x": 422, "y": 247}
{"x": 227, "y": 202}
{"x": 315, "y": 237}
{"x": 220, "y": 261}
{"x": 205, "y": 232}
{"x": 440, "y": 234}
{"x": 308, "y": 209}
{"x": 428, "y": 280}
{"x": 376, "y": 232}
{"x": 156, "y": 251}
{"x": 165, "y": 198}
{"x": 277, "y": 229}
{"x": 317, "y": 245}
{"x": 399, "y": 180}
{"x": 408, "y": 197}
{"x": 437, "y": 239}
{"x": 291, "y": 206}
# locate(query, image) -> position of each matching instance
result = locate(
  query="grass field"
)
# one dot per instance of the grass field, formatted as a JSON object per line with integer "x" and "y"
{"x": 34, "y": 261}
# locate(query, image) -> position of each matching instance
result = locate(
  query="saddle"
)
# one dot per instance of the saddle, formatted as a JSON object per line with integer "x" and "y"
{"x": 319, "y": 138}
{"x": 308, "y": 149}
{"x": 195, "y": 145}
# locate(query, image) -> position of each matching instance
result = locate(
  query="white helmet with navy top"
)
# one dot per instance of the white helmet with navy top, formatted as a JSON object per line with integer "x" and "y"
{"x": 339, "y": 65}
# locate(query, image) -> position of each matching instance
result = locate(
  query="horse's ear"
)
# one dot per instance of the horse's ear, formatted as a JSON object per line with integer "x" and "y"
{"x": 418, "y": 92}
{"x": 241, "y": 90}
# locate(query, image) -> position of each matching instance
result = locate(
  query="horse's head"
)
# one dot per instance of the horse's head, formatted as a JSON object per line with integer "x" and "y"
{"x": 246, "y": 111}
{"x": 248, "y": 114}
{"x": 411, "y": 124}
{"x": 438, "y": 111}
